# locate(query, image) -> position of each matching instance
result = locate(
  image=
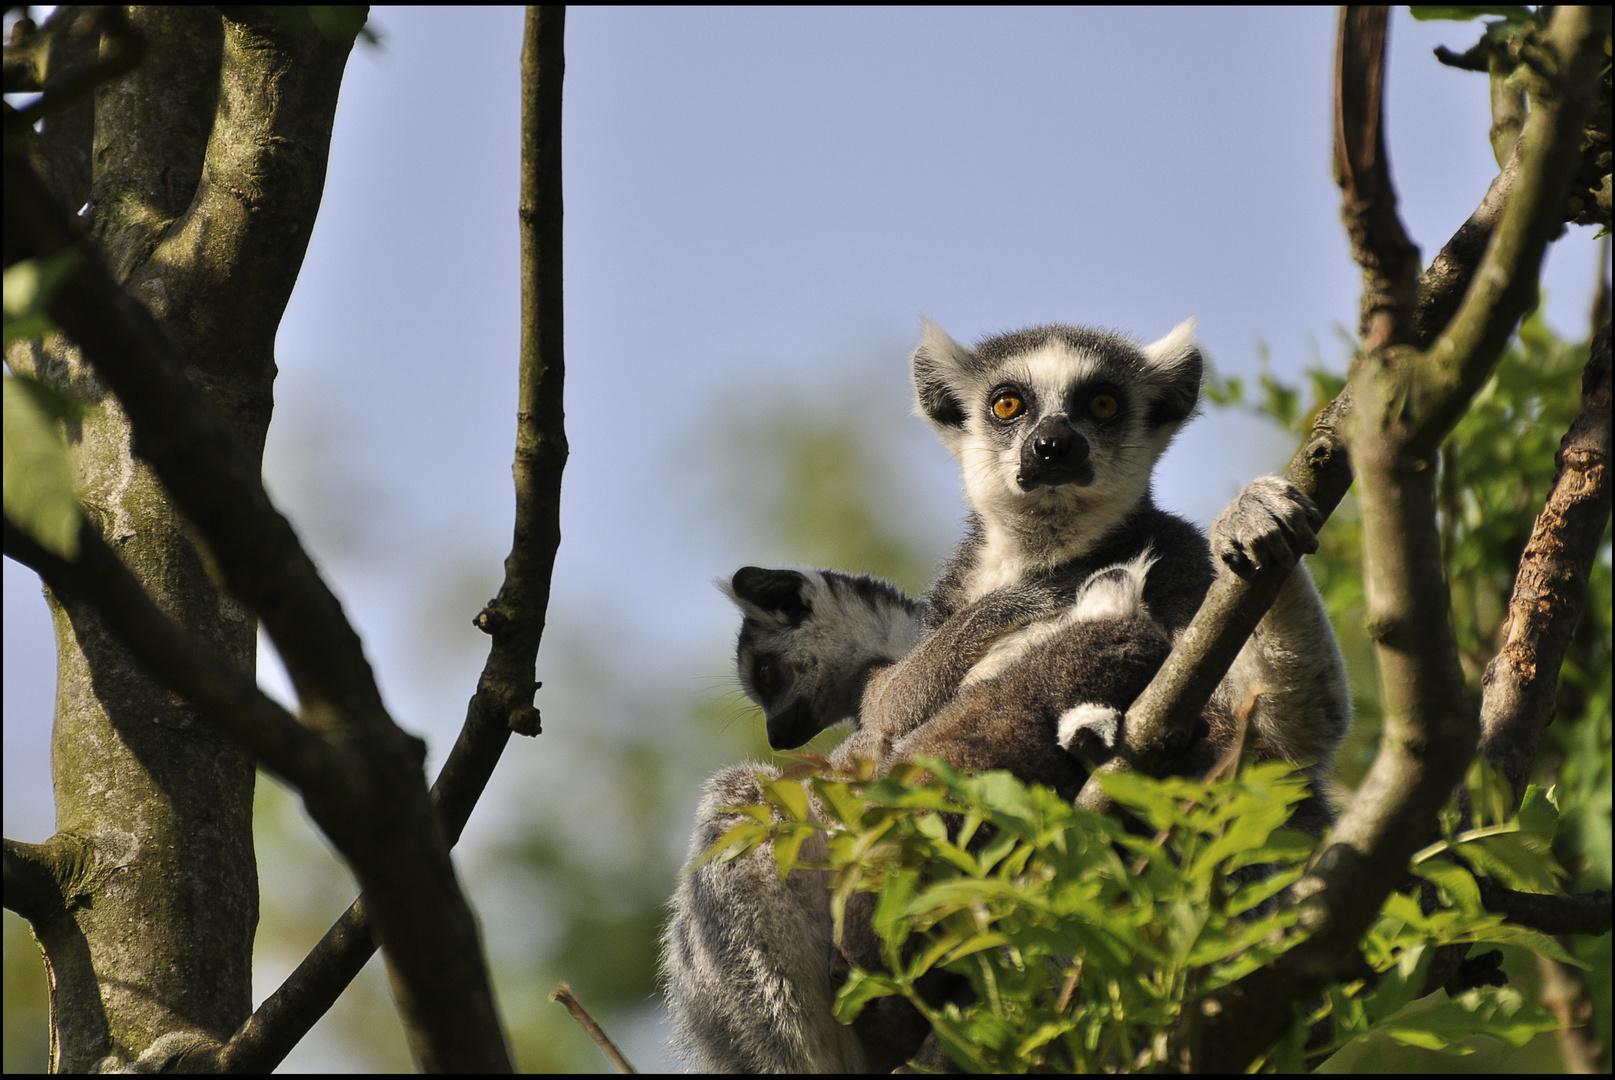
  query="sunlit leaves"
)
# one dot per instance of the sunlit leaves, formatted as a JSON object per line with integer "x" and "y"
{"x": 1083, "y": 943}
{"x": 39, "y": 493}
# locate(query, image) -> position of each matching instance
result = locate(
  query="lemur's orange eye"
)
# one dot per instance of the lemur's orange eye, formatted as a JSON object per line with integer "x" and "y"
{"x": 1008, "y": 406}
{"x": 764, "y": 676}
{"x": 1103, "y": 406}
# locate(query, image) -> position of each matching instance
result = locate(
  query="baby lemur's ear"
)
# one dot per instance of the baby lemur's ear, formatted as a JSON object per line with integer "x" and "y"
{"x": 1176, "y": 365}
{"x": 941, "y": 367}
{"x": 774, "y": 595}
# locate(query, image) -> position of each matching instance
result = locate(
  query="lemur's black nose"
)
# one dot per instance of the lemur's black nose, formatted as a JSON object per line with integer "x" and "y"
{"x": 1052, "y": 447}
{"x": 1053, "y": 454}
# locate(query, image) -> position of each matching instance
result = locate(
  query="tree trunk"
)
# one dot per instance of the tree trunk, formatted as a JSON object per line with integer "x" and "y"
{"x": 206, "y": 165}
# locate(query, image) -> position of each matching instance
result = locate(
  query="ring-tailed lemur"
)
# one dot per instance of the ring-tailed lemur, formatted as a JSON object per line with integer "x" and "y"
{"x": 1056, "y": 610}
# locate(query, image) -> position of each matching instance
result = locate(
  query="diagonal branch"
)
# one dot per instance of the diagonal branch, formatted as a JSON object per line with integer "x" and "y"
{"x": 1164, "y": 714}
{"x": 515, "y": 619}
{"x": 1504, "y": 286}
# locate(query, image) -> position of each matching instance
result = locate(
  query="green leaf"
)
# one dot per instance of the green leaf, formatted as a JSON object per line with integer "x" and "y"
{"x": 1456, "y": 883}
{"x": 892, "y": 919}
{"x": 787, "y": 842}
{"x": 40, "y": 497}
{"x": 789, "y": 796}
{"x": 1539, "y": 813}
{"x": 1498, "y": 1012}
{"x": 839, "y": 801}
{"x": 1525, "y": 937}
{"x": 28, "y": 287}
{"x": 1401, "y": 985}
{"x": 1515, "y": 859}
{"x": 860, "y": 989}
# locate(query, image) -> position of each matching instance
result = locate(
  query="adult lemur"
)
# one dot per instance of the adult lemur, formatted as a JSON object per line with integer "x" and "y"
{"x": 1054, "y": 613}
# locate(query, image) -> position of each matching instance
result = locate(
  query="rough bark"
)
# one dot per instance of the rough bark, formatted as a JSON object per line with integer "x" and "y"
{"x": 153, "y": 856}
{"x": 1521, "y": 681}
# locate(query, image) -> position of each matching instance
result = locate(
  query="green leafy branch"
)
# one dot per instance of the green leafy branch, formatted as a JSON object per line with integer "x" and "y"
{"x": 1083, "y": 943}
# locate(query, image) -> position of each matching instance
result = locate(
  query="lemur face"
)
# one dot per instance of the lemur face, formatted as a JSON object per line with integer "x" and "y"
{"x": 1057, "y": 416}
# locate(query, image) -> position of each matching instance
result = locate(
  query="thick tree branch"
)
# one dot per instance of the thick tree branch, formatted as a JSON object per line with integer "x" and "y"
{"x": 49, "y": 58}
{"x": 32, "y": 888}
{"x": 1444, "y": 282}
{"x": 1508, "y": 107}
{"x": 1160, "y": 720}
{"x": 121, "y": 49}
{"x": 1521, "y": 681}
{"x": 1405, "y": 403}
{"x": 267, "y": 149}
{"x": 147, "y": 165}
{"x": 226, "y": 695}
{"x": 515, "y": 619}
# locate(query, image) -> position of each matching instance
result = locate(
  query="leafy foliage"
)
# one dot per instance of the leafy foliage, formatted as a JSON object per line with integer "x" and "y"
{"x": 1083, "y": 943}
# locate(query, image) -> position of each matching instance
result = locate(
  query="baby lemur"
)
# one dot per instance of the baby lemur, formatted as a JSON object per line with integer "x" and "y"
{"x": 1054, "y": 613}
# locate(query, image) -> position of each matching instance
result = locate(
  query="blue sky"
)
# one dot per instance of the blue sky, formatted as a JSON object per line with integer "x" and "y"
{"x": 764, "y": 202}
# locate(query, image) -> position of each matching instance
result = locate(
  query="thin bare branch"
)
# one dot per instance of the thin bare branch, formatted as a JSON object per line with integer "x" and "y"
{"x": 1379, "y": 242}
{"x": 563, "y": 994}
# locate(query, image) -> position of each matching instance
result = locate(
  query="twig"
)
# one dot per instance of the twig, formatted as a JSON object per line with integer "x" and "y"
{"x": 563, "y": 994}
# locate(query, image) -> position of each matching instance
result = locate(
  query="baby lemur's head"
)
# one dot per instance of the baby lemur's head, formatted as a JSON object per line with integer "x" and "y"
{"x": 1057, "y": 428}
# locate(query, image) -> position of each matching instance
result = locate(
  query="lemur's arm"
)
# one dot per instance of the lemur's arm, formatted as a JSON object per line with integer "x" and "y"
{"x": 748, "y": 956}
{"x": 1304, "y": 709}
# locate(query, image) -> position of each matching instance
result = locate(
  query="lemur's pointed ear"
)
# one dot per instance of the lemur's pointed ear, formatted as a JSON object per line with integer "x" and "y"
{"x": 775, "y": 597}
{"x": 938, "y": 366}
{"x": 1177, "y": 362}
{"x": 1174, "y": 349}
